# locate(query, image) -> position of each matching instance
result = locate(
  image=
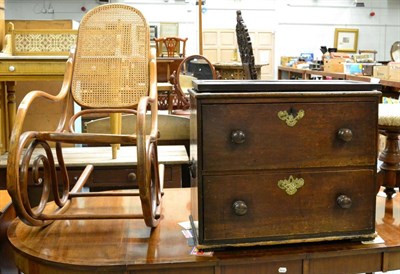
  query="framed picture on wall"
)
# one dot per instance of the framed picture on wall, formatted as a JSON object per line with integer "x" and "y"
{"x": 169, "y": 29}
{"x": 153, "y": 32}
{"x": 346, "y": 40}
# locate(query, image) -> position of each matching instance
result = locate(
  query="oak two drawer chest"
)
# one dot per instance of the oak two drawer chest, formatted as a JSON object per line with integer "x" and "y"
{"x": 283, "y": 161}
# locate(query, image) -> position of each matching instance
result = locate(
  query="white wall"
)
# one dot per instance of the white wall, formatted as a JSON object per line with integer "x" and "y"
{"x": 299, "y": 25}
{"x": 308, "y": 25}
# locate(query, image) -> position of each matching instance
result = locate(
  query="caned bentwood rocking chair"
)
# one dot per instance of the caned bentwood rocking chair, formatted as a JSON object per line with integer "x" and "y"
{"x": 111, "y": 71}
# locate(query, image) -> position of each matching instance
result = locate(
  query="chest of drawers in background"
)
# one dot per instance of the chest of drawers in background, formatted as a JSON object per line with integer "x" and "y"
{"x": 283, "y": 162}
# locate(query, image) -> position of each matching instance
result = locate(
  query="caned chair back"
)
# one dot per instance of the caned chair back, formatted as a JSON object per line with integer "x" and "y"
{"x": 111, "y": 68}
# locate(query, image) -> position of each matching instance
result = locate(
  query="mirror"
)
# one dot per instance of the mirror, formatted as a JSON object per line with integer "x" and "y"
{"x": 395, "y": 51}
{"x": 192, "y": 68}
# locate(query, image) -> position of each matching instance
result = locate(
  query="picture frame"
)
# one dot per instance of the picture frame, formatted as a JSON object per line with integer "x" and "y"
{"x": 346, "y": 40}
{"x": 169, "y": 29}
{"x": 153, "y": 32}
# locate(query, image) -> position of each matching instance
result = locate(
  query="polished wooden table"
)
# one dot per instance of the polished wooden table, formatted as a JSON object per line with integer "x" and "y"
{"x": 128, "y": 246}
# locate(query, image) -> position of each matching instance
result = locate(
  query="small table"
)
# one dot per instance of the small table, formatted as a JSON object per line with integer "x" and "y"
{"x": 166, "y": 66}
{"x": 114, "y": 173}
{"x": 128, "y": 246}
{"x": 22, "y": 68}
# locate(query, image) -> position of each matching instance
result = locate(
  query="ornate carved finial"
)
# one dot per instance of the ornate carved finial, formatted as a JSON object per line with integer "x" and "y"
{"x": 245, "y": 47}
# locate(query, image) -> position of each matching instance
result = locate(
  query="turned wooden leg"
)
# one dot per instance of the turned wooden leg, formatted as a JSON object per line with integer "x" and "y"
{"x": 390, "y": 166}
{"x": 116, "y": 128}
{"x": 12, "y": 108}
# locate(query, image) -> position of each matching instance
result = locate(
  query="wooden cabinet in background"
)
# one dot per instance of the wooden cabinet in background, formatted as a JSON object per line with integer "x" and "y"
{"x": 42, "y": 24}
{"x": 220, "y": 46}
{"x": 2, "y": 25}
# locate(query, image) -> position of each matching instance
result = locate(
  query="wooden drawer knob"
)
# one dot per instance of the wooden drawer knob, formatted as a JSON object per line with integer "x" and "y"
{"x": 238, "y": 137}
{"x": 345, "y": 134}
{"x": 240, "y": 208}
{"x": 132, "y": 177}
{"x": 344, "y": 201}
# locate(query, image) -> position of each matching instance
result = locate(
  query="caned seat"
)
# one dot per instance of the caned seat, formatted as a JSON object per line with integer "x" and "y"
{"x": 389, "y": 125}
{"x": 112, "y": 71}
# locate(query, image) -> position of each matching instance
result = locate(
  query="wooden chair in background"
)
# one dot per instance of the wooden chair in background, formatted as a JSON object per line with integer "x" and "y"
{"x": 171, "y": 46}
{"x": 245, "y": 48}
{"x": 111, "y": 71}
{"x": 170, "y": 52}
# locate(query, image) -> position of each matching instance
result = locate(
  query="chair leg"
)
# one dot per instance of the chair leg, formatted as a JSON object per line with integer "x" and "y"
{"x": 390, "y": 168}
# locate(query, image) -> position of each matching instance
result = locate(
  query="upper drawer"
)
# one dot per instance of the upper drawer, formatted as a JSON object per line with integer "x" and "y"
{"x": 253, "y": 136}
{"x": 33, "y": 68}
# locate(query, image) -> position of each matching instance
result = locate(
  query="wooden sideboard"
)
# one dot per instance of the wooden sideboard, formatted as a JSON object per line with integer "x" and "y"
{"x": 30, "y": 68}
{"x": 289, "y": 73}
{"x": 113, "y": 173}
{"x": 128, "y": 246}
{"x": 2, "y": 23}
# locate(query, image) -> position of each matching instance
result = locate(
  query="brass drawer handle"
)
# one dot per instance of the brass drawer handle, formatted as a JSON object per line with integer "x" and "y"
{"x": 238, "y": 137}
{"x": 291, "y": 117}
{"x": 193, "y": 168}
{"x": 240, "y": 208}
{"x": 291, "y": 185}
{"x": 345, "y": 134}
{"x": 344, "y": 201}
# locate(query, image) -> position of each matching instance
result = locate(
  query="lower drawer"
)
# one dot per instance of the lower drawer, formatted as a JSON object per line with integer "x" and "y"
{"x": 109, "y": 177}
{"x": 116, "y": 177}
{"x": 286, "y": 206}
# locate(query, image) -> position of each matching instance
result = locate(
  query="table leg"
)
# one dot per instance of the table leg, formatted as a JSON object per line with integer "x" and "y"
{"x": 11, "y": 106}
{"x": 3, "y": 124}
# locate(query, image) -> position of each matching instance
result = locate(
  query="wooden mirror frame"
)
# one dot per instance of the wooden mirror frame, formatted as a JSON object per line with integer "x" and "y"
{"x": 178, "y": 90}
{"x": 395, "y": 51}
